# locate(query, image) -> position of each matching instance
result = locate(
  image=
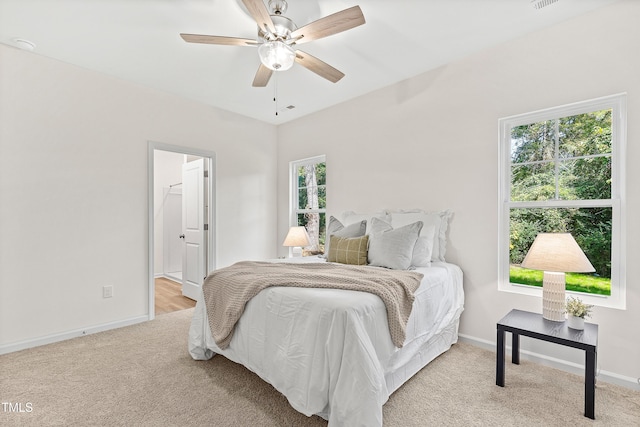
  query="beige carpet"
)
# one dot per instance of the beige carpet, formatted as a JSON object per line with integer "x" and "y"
{"x": 142, "y": 375}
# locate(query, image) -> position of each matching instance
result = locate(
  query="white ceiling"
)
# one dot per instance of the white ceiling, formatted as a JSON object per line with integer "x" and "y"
{"x": 138, "y": 41}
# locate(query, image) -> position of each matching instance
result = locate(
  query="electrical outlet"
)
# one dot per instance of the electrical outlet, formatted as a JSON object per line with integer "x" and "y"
{"x": 107, "y": 291}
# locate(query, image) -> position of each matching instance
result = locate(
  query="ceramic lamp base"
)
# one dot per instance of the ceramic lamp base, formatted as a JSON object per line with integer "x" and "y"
{"x": 553, "y": 296}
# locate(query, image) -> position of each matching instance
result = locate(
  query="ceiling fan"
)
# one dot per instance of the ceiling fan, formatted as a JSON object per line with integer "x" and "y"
{"x": 278, "y": 35}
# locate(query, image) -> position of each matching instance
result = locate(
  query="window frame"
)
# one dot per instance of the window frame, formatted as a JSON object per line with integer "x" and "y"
{"x": 618, "y": 104}
{"x": 294, "y": 210}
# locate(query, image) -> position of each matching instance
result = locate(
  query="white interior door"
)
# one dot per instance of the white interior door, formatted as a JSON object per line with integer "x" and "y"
{"x": 193, "y": 228}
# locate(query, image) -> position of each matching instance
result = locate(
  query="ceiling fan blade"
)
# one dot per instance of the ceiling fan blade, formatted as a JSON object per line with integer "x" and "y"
{"x": 231, "y": 41}
{"x": 329, "y": 25}
{"x": 260, "y": 14}
{"x": 319, "y": 67}
{"x": 262, "y": 76}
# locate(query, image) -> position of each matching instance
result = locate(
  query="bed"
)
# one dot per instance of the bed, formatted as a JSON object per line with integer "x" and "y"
{"x": 330, "y": 351}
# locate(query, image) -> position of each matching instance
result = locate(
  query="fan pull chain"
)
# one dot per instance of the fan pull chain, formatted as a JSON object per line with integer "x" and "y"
{"x": 275, "y": 91}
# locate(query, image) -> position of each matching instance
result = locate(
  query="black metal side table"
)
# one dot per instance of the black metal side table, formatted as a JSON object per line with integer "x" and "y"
{"x": 533, "y": 325}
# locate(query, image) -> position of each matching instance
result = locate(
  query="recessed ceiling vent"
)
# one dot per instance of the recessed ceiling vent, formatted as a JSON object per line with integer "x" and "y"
{"x": 539, "y": 4}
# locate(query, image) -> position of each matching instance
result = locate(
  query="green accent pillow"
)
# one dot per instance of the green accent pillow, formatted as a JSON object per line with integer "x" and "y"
{"x": 348, "y": 250}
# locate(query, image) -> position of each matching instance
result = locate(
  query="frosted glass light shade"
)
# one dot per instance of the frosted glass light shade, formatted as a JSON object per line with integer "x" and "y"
{"x": 276, "y": 55}
{"x": 555, "y": 254}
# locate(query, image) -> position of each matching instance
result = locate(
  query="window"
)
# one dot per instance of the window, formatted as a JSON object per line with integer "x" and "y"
{"x": 308, "y": 179}
{"x": 561, "y": 170}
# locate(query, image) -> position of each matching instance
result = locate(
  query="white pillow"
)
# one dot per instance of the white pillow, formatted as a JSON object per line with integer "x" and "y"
{"x": 424, "y": 244}
{"x": 423, "y": 250}
{"x": 439, "y": 220}
{"x": 350, "y": 217}
{"x": 335, "y": 228}
{"x": 392, "y": 248}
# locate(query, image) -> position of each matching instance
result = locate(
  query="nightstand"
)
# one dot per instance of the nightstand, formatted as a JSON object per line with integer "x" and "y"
{"x": 533, "y": 325}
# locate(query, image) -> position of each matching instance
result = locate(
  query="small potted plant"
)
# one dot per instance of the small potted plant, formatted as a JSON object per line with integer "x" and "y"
{"x": 577, "y": 311}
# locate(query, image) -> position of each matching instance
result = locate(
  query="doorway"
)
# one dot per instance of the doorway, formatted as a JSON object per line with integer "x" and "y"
{"x": 181, "y": 224}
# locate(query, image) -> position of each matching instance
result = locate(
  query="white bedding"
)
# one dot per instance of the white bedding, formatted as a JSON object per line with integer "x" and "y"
{"x": 329, "y": 351}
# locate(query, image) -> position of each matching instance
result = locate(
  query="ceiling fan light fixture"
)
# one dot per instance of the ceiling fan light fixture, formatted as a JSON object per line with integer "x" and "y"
{"x": 277, "y": 34}
{"x": 276, "y": 55}
{"x": 278, "y": 7}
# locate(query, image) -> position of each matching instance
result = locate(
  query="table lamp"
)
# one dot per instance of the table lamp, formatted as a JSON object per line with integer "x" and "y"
{"x": 555, "y": 254}
{"x": 297, "y": 237}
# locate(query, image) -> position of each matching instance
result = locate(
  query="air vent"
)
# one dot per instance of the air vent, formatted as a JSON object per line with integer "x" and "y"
{"x": 539, "y": 4}
{"x": 284, "y": 109}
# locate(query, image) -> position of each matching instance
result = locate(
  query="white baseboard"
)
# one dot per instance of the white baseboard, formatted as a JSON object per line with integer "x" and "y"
{"x": 563, "y": 365}
{"x": 606, "y": 376}
{"x": 49, "y": 339}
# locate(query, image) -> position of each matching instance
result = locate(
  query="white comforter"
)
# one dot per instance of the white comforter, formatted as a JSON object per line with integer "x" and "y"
{"x": 329, "y": 351}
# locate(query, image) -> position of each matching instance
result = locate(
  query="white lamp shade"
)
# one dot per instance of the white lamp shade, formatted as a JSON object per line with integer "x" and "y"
{"x": 557, "y": 252}
{"x": 297, "y": 236}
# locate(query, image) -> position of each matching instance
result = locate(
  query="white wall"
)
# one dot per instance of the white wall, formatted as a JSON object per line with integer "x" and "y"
{"x": 431, "y": 142}
{"x": 73, "y": 191}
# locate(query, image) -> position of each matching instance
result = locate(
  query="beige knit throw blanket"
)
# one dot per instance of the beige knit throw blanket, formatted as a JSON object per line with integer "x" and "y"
{"x": 227, "y": 290}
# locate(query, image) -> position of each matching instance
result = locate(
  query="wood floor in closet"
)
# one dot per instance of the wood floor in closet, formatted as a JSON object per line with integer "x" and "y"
{"x": 169, "y": 297}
